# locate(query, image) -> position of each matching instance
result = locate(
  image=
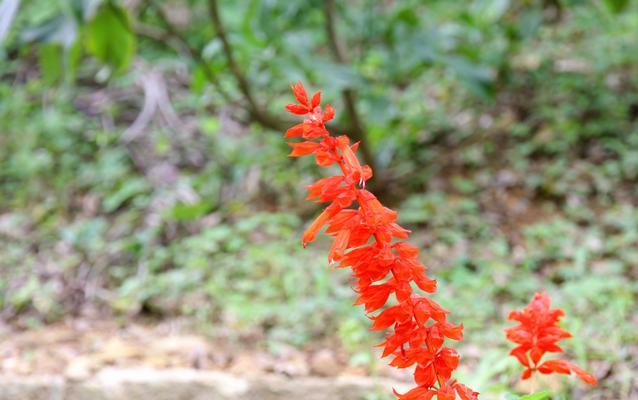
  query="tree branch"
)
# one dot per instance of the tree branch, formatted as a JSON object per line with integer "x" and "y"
{"x": 255, "y": 112}
{"x": 258, "y": 114}
{"x": 194, "y": 53}
{"x": 356, "y": 129}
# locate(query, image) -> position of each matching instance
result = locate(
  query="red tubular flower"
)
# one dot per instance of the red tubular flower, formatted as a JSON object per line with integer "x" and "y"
{"x": 538, "y": 333}
{"x": 365, "y": 239}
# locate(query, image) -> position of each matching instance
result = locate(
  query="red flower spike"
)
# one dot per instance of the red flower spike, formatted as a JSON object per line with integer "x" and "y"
{"x": 364, "y": 236}
{"x": 536, "y": 334}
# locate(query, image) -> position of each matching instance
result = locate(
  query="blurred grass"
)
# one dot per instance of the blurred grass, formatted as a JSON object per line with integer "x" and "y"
{"x": 512, "y": 185}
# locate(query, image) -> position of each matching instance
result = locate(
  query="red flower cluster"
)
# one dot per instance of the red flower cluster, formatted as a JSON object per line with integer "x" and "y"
{"x": 382, "y": 266}
{"x": 537, "y": 334}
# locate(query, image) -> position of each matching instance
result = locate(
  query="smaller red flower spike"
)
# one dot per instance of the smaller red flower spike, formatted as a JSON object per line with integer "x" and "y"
{"x": 538, "y": 333}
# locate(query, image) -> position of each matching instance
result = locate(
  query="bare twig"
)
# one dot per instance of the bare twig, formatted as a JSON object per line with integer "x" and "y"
{"x": 156, "y": 99}
{"x": 194, "y": 53}
{"x": 255, "y": 111}
{"x": 331, "y": 31}
{"x": 151, "y": 93}
{"x": 258, "y": 114}
{"x": 356, "y": 129}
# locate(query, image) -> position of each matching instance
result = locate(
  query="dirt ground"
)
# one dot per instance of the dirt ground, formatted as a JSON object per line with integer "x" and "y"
{"x": 79, "y": 348}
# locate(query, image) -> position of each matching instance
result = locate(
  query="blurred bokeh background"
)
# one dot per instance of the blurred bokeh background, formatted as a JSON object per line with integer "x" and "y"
{"x": 146, "y": 193}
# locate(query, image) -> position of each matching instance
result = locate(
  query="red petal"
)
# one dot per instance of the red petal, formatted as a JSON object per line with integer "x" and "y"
{"x": 425, "y": 376}
{"x": 324, "y": 158}
{"x": 438, "y": 312}
{"x": 566, "y": 367}
{"x": 558, "y": 366}
{"x": 339, "y": 245}
{"x": 521, "y": 355}
{"x": 313, "y": 132}
{"x": 406, "y": 250}
{"x": 465, "y": 393}
{"x": 519, "y": 335}
{"x": 551, "y": 347}
{"x": 315, "y": 227}
{"x": 303, "y": 148}
{"x": 541, "y": 300}
{"x": 300, "y": 93}
{"x": 297, "y": 109}
{"x": 426, "y": 284}
{"x": 375, "y": 296}
{"x": 352, "y": 164}
{"x": 329, "y": 113}
{"x": 535, "y": 354}
{"x": 451, "y": 331}
{"x": 418, "y": 393}
{"x": 584, "y": 375}
{"x": 386, "y": 318}
{"x": 449, "y": 357}
{"x": 445, "y": 393}
{"x": 295, "y": 131}
{"x": 316, "y": 100}
{"x": 326, "y": 189}
{"x": 434, "y": 340}
{"x": 526, "y": 374}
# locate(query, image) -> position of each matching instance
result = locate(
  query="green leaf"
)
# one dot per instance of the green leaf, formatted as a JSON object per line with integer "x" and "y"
{"x": 109, "y": 37}
{"x": 59, "y": 60}
{"x": 247, "y": 24}
{"x": 72, "y": 61}
{"x": 490, "y": 11}
{"x": 199, "y": 80}
{"x": 617, "y": 6}
{"x": 128, "y": 190}
{"x": 51, "y": 62}
{"x": 190, "y": 212}
{"x": 536, "y": 396}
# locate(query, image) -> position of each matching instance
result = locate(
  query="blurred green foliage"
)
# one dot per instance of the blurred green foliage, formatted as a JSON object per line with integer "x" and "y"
{"x": 507, "y": 133}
